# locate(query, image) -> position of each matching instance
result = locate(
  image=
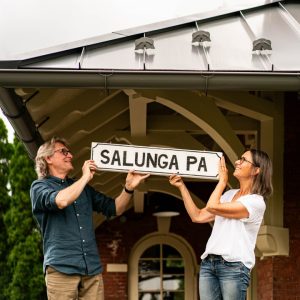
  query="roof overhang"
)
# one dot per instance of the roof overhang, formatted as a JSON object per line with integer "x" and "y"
{"x": 110, "y": 62}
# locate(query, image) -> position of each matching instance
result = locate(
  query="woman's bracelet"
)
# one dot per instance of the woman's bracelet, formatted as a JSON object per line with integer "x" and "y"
{"x": 128, "y": 191}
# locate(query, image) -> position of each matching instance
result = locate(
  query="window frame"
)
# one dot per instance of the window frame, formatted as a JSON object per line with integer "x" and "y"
{"x": 191, "y": 269}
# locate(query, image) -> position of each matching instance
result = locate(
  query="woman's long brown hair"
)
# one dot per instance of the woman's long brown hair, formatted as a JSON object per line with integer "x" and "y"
{"x": 262, "y": 183}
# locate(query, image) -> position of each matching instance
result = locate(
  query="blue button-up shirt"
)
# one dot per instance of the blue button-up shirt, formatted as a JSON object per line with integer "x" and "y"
{"x": 69, "y": 241}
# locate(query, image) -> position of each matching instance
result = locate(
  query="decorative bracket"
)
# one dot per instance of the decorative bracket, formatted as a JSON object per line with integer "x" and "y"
{"x": 272, "y": 241}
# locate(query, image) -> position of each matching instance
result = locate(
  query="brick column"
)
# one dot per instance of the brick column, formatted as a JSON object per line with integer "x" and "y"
{"x": 278, "y": 278}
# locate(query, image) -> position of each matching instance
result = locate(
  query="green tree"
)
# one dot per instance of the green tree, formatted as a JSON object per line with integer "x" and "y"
{"x": 24, "y": 239}
{"x": 5, "y": 154}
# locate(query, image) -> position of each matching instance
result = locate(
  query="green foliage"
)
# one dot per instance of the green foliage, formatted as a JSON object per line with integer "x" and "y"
{"x": 24, "y": 245}
{"x": 5, "y": 154}
{"x": 27, "y": 280}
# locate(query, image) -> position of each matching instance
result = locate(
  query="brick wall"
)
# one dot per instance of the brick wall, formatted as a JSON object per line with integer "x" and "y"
{"x": 265, "y": 279}
{"x": 279, "y": 277}
{"x": 128, "y": 230}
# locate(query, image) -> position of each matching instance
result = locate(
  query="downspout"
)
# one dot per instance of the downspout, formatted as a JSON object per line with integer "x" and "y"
{"x": 15, "y": 111}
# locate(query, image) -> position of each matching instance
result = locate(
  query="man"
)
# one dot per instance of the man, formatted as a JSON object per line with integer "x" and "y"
{"x": 63, "y": 209}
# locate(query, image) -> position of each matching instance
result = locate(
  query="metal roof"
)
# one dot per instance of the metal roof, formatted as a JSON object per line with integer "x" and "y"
{"x": 30, "y": 33}
{"x": 232, "y": 32}
{"x": 261, "y": 42}
{"x": 230, "y": 48}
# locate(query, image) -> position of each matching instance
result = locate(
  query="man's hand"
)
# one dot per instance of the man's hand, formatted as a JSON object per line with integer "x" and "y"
{"x": 88, "y": 170}
{"x": 68, "y": 195}
{"x": 134, "y": 179}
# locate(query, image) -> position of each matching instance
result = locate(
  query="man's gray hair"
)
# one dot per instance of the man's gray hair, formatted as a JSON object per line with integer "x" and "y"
{"x": 47, "y": 149}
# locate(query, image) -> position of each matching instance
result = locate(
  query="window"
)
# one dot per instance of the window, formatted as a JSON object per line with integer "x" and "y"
{"x": 162, "y": 266}
{"x": 161, "y": 274}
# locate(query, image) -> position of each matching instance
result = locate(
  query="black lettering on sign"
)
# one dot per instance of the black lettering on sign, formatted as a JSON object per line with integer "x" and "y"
{"x": 136, "y": 159}
{"x": 190, "y": 160}
{"x": 103, "y": 154}
{"x": 151, "y": 160}
{"x": 116, "y": 158}
{"x": 162, "y": 163}
{"x": 162, "y": 160}
{"x": 202, "y": 164}
{"x": 173, "y": 162}
{"x": 125, "y": 163}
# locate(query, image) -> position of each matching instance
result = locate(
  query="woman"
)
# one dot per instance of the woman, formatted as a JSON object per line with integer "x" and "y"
{"x": 238, "y": 213}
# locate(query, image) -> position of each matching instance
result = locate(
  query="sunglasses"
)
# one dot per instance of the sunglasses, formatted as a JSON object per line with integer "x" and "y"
{"x": 63, "y": 151}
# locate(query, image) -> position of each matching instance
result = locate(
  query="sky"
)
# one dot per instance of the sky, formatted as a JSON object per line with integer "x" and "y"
{"x": 8, "y": 127}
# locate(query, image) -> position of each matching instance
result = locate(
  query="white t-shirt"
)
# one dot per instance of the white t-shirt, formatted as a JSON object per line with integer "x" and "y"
{"x": 235, "y": 239}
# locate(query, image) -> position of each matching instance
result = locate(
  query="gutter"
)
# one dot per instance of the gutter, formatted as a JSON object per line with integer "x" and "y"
{"x": 15, "y": 111}
{"x": 123, "y": 79}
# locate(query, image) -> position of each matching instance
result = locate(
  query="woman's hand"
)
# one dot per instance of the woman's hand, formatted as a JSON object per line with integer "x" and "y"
{"x": 176, "y": 180}
{"x": 223, "y": 172}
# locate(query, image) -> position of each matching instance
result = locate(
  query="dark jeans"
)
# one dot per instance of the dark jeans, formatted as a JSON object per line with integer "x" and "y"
{"x": 220, "y": 279}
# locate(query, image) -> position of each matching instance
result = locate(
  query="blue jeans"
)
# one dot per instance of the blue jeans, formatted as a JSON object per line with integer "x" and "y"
{"x": 220, "y": 279}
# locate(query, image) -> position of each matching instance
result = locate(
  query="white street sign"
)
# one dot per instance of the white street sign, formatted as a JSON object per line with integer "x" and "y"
{"x": 154, "y": 160}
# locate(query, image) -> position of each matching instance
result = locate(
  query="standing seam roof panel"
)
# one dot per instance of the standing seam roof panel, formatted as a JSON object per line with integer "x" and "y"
{"x": 272, "y": 24}
{"x": 230, "y": 48}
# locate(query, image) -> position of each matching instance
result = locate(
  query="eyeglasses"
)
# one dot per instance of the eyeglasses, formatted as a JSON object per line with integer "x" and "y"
{"x": 243, "y": 159}
{"x": 63, "y": 151}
